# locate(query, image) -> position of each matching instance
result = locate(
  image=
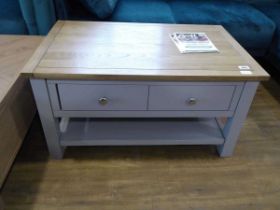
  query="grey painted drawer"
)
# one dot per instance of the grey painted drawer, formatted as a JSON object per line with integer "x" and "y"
{"x": 191, "y": 97}
{"x": 102, "y": 97}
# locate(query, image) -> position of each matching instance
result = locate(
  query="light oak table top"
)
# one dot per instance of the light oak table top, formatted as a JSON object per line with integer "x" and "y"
{"x": 137, "y": 51}
{"x": 14, "y": 53}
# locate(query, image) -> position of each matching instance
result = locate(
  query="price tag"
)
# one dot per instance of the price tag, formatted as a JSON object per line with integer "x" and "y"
{"x": 244, "y": 67}
{"x": 246, "y": 72}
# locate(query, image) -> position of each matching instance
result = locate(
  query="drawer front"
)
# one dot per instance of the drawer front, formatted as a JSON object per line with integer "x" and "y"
{"x": 102, "y": 97}
{"x": 191, "y": 97}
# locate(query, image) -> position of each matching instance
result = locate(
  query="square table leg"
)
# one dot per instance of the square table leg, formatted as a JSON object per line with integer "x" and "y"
{"x": 49, "y": 122}
{"x": 234, "y": 124}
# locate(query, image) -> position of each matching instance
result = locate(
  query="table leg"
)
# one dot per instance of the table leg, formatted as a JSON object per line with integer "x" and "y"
{"x": 234, "y": 124}
{"x": 49, "y": 122}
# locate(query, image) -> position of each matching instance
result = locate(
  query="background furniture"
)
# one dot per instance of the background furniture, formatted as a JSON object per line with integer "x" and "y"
{"x": 17, "y": 107}
{"x": 26, "y": 16}
{"x": 272, "y": 10}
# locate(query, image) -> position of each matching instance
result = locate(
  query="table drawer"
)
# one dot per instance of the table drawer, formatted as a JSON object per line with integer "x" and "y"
{"x": 81, "y": 97}
{"x": 191, "y": 97}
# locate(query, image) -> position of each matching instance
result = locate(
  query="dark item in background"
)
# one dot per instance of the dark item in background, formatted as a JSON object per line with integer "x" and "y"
{"x": 102, "y": 9}
{"x": 26, "y": 16}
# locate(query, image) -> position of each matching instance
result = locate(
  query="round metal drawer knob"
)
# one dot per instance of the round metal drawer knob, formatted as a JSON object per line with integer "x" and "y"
{"x": 103, "y": 101}
{"x": 192, "y": 101}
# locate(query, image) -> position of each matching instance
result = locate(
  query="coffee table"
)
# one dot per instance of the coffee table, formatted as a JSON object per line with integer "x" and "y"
{"x": 104, "y": 83}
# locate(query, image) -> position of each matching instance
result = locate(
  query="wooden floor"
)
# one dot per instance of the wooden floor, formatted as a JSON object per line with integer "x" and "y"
{"x": 155, "y": 178}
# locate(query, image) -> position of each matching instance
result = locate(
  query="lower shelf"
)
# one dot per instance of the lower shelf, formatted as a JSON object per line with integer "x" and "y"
{"x": 94, "y": 132}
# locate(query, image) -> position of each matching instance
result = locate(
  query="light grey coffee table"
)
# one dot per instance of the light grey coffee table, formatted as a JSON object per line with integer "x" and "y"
{"x": 99, "y": 83}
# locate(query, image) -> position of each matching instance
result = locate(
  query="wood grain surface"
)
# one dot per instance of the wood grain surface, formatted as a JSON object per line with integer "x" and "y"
{"x": 14, "y": 53}
{"x": 16, "y": 114}
{"x": 155, "y": 178}
{"x": 137, "y": 51}
{"x": 41, "y": 49}
{"x": 17, "y": 107}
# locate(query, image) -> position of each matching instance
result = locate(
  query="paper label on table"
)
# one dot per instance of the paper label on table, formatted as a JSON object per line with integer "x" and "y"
{"x": 246, "y": 72}
{"x": 244, "y": 67}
